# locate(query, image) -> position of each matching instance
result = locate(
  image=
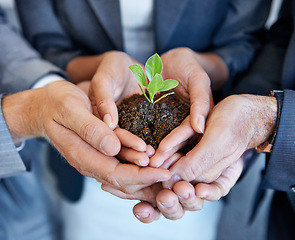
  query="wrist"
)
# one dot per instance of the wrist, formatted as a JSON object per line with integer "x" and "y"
{"x": 215, "y": 68}
{"x": 267, "y": 145}
{"x": 264, "y": 119}
{"x": 83, "y": 68}
{"x": 20, "y": 114}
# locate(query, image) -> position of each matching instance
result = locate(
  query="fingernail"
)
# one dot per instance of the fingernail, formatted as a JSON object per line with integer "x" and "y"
{"x": 183, "y": 196}
{"x": 202, "y": 196}
{"x": 174, "y": 179}
{"x": 201, "y": 123}
{"x": 142, "y": 215}
{"x": 166, "y": 204}
{"x": 143, "y": 162}
{"x": 156, "y": 162}
{"x": 150, "y": 151}
{"x": 107, "y": 119}
{"x": 108, "y": 145}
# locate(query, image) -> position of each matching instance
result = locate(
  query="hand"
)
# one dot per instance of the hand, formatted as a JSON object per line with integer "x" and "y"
{"x": 62, "y": 113}
{"x": 236, "y": 124}
{"x": 184, "y": 196}
{"x": 112, "y": 82}
{"x": 196, "y": 74}
{"x": 133, "y": 149}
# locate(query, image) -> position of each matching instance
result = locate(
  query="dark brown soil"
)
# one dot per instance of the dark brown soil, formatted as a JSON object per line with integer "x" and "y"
{"x": 151, "y": 122}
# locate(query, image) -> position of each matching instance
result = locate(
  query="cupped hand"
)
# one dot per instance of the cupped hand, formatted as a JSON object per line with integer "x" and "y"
{"x": 61, "y": 112}
{"x": 186, "y": 66}
{"x": 236, "y": 124}
{"x": 133, "y": 149}
{"x": 112, "y": 82}
{"x": 184, "y": 196}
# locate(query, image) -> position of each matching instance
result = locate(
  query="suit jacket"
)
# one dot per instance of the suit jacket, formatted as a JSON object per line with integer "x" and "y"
{"x": 64, "y": 29}
{"x": 24, "y": 210}
{"x": 274, "y": 68}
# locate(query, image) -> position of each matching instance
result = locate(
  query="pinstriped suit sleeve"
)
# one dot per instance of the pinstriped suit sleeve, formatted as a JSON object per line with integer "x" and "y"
{"x": 10, "y": 161}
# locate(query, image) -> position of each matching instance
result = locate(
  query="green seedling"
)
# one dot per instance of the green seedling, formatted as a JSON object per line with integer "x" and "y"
{"x": 153, "y": 70}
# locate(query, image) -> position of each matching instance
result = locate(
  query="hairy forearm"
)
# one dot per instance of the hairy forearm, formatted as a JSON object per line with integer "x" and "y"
{"x": 263, "y": 110}
{"x": 215, "y": 68}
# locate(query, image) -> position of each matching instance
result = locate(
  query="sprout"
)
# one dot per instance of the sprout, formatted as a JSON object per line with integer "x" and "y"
{"x": 153, "y": 70}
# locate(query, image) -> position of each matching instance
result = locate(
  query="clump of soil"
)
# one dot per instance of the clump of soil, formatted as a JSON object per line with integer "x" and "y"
{"x": 151, "y": 122}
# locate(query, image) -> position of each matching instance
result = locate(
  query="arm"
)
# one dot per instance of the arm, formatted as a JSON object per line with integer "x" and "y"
{"x": 20, "y": 65}
{"x": 44, "y": 31}
{"x": 280, "y": 169}
{"x": 239, "y": 36}
{"x": 10, "y": 161}
{"x": 61, "y": 112}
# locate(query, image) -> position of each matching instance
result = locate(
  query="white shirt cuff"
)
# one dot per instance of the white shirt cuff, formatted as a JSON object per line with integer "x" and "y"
{"x": 50, "y": 78}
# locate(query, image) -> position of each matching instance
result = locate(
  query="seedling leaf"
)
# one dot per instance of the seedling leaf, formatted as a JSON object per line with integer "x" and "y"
{"x": 139, "y": 74}
{"x": 155, "y": 84}
{"x": 153, "y": 70}
{"x": 169, "y": 84}
{"x": 153, "y": 66}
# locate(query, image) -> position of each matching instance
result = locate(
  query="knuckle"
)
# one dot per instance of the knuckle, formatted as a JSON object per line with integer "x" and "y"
{"x": 111, "y": 179}
{"x": 87, "y": 130}
{"x": 191, "y": 172}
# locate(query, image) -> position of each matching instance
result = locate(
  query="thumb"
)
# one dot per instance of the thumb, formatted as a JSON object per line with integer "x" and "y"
{"x": 200, "y": 98}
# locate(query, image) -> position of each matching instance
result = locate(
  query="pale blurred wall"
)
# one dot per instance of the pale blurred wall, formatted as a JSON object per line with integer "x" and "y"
{"x": 7, "y": 3}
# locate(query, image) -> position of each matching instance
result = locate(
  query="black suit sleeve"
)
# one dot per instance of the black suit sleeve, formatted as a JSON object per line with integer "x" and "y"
{"x": 265, "y": 73}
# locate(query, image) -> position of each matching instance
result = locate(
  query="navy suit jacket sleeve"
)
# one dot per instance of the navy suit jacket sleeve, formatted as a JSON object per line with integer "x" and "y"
{"x": 280, "y": 170}
{"x": 264, "y": 76}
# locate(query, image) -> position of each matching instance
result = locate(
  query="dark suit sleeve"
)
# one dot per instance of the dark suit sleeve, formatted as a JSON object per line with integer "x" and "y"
{"x": 280, "y": 170}
{"x": 266, "y": 75}
{"x": 238, "y": 38}
{"x": 43, "y": 30}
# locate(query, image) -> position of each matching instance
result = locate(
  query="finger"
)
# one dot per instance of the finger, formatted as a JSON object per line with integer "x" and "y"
{"x": 132, "y": 156}
{"x": 175, "y": 178}
{"x": 200, "y": 98}
{"x": 219, "y": 188}
{"x": 208, "y": 158}
{"x": 106, "y": 169}
{"x": 87, "y": 126}
{"x": 102, "y": 96}
{"x": 172, "y": 143}
{"x": 150, "y": 151}
{"x": 130, "y": 140}
{"x": 168, "y": 204}
{"x": 170, "y": 161}
{"x": 146, "y": 213}
{"x": 159, "y": 159}
{"x": 186, "y": 195}
{"x": 147, "y": 194}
